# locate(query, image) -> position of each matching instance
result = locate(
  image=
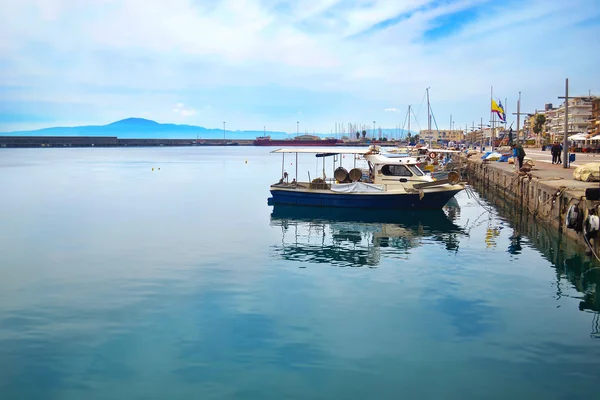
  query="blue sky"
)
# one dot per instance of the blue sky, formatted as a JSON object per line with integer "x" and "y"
{"x": 253, "y": 63}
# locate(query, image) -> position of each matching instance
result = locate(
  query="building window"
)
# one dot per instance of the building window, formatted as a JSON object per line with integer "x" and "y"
{"x": 395, "y": 170}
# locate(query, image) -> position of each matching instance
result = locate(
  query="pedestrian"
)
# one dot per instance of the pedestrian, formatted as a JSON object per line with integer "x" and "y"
{"x": 559, "y": 155}
{"x": 514, "y": 154}
{"x": 520, "y": 154}
{"x": 554, "y": 150}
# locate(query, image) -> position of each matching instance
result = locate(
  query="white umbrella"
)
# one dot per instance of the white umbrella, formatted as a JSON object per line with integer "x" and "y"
{"x": 578, "y": 137}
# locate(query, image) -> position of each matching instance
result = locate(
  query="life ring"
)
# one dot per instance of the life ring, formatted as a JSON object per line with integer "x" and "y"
{"x": 432, "y": 155}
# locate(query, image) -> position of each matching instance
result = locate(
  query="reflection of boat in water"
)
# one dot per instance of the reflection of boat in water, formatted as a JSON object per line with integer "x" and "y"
{"x": 344, "y": 238}
{"x": 431, "y": 220}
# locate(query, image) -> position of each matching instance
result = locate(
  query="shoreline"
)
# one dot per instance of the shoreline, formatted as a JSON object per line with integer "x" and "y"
{"x": 113, "y": 141}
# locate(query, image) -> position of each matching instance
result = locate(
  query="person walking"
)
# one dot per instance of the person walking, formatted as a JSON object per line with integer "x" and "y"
{"x": 559, "y": 153}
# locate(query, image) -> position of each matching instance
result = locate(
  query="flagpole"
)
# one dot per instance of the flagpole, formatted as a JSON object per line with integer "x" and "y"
{"x": 492, "y": 116}
{"x": 504, "y": 108}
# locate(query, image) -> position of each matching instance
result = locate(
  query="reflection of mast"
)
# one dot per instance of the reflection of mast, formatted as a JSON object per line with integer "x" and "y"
{"x": 596, "y": 326}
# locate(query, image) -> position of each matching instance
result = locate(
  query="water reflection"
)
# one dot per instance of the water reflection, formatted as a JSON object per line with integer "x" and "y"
{"x": 572, "y": 266}
{"x": 350, "y": 238}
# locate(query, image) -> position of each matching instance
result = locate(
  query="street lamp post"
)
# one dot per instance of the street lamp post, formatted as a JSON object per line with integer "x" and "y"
{"x": 373, "y": 129}
{"x": 223, "y": 130}
{"x": 297, "y": 128}
{"x": 566, "y": 132}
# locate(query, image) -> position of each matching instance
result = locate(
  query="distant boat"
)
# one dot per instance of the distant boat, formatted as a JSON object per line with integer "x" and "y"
{"x": 302, "y": 140}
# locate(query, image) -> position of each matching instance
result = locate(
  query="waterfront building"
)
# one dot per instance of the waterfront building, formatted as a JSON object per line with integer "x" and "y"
{"x": 530, "y": 124}
{"x": 595, "y": 117}
{"x": 457, "y": 135}
{"x": 552, "y": 123}
{"x": 579, "y": 121}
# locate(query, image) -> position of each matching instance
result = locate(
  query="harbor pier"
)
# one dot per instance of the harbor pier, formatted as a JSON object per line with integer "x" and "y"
{"x": 111, "y": 141}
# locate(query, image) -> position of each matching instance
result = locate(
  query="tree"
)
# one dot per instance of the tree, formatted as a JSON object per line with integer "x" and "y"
{"x": 538, "y": 125}
{"x": 358, "y": 135}
{"x": 364, "y": 134}
{"x": 413, "y": 140}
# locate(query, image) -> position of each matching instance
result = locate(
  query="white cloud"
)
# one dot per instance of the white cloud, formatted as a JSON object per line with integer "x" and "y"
{"x": 183, "y": 111}
{"x": 112, "y": 56}
{"x": 187, "y": 113}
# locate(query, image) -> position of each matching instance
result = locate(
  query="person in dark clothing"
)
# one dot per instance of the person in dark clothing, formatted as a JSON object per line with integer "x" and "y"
{"x": 560, "y": 149}
{"x": 520, "y": 155}
{"x": 554, "y": 150}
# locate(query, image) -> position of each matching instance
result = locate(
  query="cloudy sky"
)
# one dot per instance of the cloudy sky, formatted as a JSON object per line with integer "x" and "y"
{"x": 253, "y": 63}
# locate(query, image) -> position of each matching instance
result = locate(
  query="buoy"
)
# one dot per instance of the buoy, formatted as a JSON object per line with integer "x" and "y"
{"x": 592, "y": 225}
{"x": 572, "y": 216}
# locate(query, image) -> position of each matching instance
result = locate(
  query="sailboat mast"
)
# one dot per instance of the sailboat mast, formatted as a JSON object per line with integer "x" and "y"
{"x": 428, "y": 118}
{"x": 409, "y": 119}
{"x": 428, "y": 112}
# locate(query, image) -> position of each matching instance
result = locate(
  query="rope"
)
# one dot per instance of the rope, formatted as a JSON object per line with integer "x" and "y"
{"x": 478, "y": 201}
{"x": 589, "y": 245}
{"x": 552, "y": 198}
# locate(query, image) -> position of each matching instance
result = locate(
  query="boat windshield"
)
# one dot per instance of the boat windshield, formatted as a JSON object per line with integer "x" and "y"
{"x": 416, "y": 170}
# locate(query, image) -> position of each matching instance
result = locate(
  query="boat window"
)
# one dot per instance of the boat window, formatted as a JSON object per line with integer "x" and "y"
{"x": 395, "y": 170}
{"x": 415, "y": 170}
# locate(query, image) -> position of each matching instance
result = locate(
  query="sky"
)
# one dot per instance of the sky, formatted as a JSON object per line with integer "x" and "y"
{"x": 288, "y": 64}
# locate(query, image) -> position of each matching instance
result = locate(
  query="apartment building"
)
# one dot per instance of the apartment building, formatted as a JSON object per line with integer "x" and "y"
{"x": 595, "y": 118}
{"x": 579, "y": 121}
{"x": 444, "y": 136}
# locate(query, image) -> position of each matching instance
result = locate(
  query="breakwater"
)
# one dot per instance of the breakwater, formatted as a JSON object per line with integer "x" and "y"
{"x": 544, "y": 195}
{"x": 110, "y": 141}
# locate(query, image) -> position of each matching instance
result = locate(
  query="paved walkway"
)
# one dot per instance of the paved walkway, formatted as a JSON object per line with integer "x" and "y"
{"x": 546, "y": 157}
{"x": 553, "y": 175}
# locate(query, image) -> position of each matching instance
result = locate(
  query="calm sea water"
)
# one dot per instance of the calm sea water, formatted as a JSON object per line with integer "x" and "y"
{"x": 120, "y": 282}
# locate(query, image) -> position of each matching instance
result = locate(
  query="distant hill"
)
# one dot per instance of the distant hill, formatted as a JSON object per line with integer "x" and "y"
{"x": 133, "y": 128}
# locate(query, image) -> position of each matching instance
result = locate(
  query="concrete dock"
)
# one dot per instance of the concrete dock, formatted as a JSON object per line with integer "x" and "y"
{"x": 546, "y": 192}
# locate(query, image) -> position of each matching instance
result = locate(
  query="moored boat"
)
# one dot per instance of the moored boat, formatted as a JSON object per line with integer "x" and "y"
{"x": 388, "y": 182}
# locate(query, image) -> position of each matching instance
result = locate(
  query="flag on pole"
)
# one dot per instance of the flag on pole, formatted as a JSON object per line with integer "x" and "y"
{"x": 499, "y": 110}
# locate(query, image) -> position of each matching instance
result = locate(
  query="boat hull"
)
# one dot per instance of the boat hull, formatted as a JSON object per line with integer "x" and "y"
{"x": 391, "y": 201}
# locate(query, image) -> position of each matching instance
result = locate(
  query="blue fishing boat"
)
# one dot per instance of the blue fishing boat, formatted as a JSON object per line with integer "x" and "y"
{"x": 387, "y": 182}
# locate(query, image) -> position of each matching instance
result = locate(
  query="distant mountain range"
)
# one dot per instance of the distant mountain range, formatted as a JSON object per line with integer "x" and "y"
{"x": 133, "y": 128}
